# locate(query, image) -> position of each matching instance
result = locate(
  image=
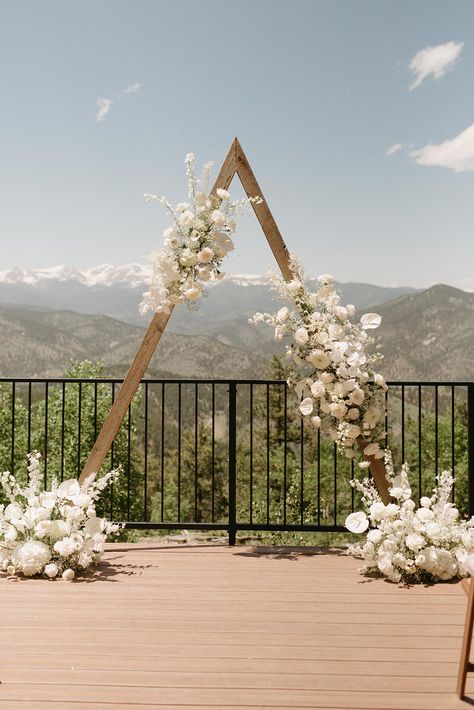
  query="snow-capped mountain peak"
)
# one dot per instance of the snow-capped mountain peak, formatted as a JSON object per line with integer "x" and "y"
{"x": 104, "y": 276}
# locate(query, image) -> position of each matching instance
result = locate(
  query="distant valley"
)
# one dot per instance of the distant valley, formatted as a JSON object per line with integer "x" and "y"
{"x": 50, "y": 317}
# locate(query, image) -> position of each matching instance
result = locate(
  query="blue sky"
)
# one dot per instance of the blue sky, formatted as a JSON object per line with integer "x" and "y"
{"x": 317, "y": 92}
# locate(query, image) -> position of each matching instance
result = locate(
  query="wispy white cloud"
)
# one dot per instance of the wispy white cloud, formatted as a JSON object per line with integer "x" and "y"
{"x": 394, "y": 149}
{"x": 129, "y": 89}
{"x": 455, "y": 153}
{"x": 103, "y": 107}
{"x": 434, "y": 61}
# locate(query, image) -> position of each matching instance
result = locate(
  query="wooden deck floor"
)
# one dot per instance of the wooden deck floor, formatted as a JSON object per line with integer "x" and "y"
{"x": 222, "y": 628}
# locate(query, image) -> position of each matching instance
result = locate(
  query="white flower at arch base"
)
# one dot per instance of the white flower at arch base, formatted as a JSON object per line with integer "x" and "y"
{"x": 411, "y": 544}
{"x": 195, "y": 246}
{"x": 54, "y": 533}
{"x": 329, "y": 367}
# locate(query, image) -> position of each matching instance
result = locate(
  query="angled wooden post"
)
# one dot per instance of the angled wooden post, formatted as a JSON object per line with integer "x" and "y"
{"x": 235, "y": 162}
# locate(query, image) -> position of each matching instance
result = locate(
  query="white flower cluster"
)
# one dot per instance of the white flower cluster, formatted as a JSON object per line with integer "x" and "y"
{"x": 51, "y": 532}
{"x": 330, "y": 368}
{"x": 194, "y": 247}
{"x": 409, "y": 544}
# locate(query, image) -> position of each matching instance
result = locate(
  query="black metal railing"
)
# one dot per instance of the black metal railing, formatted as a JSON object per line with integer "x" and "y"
{"x": 230, "y": 455}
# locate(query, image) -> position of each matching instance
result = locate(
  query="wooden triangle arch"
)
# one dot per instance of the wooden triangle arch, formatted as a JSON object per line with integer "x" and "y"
{"x": 235, "y": 162}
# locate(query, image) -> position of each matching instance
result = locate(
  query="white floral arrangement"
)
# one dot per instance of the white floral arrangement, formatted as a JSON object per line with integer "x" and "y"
{"x": 330, "y": 369}
{"x": 406, "y": 543}
{"x": 52, "y": 532}
{"x": 195, "y": 245}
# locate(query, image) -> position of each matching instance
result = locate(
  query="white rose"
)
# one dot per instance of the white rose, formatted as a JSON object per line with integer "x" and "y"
{"x": 377, "y": 511}
{"x": 318, "y": 389}
{"x": 372, "y": 416}
{"x": 65, "y": 547}
{"x": 414, "y": 542}
{"x": 433, "y": 530}
{"x": 338, "y": 409}
{"x": 186, "y": 219}
{"x": 380, "y": 381}
{"x": 341, "y": 312}
{"x": 68, "y": 575}
{"x": 316, "y": 422}
{"x": 192, "y": 294}
{"x": 353, "y": 413}
{"x": 319, "y": 359}
{"x": 335, "y": 331}
{"x": 10, "y": 534}
{"x": 357, "y": 396}
{"x": 425, "y": 502}
{"x": 188, "y": 258}
{"x": 218, "y": 218}
{"x": 51, "y": 570}
{"x": 223, "y": 194}
{"x": 205, "y": 255}
{"x": 424, "y": 514}
{"x": 326, "y": 377}
{"x": 301, "y": 336}
{"x": 357, "y": 522}
{"x": 325, "y": 278}
{"x": 375, "y": 536}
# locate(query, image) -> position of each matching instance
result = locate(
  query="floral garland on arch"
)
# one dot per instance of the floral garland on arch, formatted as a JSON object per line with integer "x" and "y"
{"x": 195, "y": 245}
{"x": 330, "y": 369}
{"x": 52, "y": 532}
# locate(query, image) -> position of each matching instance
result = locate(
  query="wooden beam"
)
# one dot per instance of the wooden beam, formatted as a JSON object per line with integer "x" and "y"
{"x": 264, "y": 216}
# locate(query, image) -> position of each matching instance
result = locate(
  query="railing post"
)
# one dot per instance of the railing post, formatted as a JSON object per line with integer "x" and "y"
{"x": 470, "y": 445}
{"x": 232, "y": 460}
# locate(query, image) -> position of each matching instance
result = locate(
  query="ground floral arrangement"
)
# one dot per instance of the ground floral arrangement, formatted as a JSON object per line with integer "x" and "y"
{"x": 52, "y": 532}
{"x": 195, "y": 246}
{"x": 409, "y": 544}
{"x": 329, "y": 366}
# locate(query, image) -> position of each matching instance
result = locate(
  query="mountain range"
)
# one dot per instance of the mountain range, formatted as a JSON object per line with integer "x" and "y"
{"x": 50, "y": 316}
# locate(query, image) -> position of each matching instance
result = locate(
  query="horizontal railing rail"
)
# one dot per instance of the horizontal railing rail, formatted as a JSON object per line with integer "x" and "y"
{"x": 229, "y": 455}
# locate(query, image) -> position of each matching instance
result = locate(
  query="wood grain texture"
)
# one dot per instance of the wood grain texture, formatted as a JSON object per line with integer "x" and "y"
{"x": 214, "y": 627}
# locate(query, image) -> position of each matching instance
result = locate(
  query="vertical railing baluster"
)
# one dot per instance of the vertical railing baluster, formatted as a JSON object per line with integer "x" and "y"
{"x": 79, "y": 415}
{"x": 145, "y": 458}
{"x": 232, "y": 443}
{"x": 470, "y": 445}
{"x": 301, "y": 471}
{"x": 268, "y": 454}
{"x": 13, "y": 427}
{"x": 129, "y": 458}
{"x": 403, "y": 423}
{"x": 63, "y": 424}
{"x": 436, "y": 431}
{"x": 319, "y": 476}
{"x": 179, "y": 452}
{"x": 112, "y": 463}
{"x": 29, "y": 418}
{"x": 335, "y": 483}
{"x": 251, "y": 454}
{"x": 162, "y": 451}
{"x": 196, "y": 432}
{"x": 285, "y": 448}
{"x": 213, "y": 453}
{"x": 420, "y": 493}
{"x": 453, "y": 457}
{"x": 46, "y": 399}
